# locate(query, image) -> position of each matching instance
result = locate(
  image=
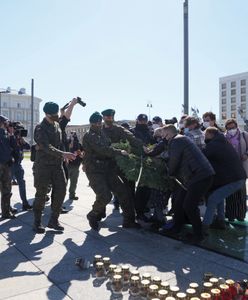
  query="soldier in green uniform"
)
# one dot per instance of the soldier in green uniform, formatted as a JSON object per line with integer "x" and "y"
{"x": 117, "y": 133}
{"x": 48, "y": 167}
{"x": 100, "y": 169}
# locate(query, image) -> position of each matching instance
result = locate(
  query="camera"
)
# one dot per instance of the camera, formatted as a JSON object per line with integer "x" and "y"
{"x": 19, "y": 129}
{"x": 171, "y": 121}
{"x": 79, "y": 101}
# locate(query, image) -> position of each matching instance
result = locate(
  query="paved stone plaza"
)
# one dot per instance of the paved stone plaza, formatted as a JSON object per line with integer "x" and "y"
{"x": 42, "y": 266}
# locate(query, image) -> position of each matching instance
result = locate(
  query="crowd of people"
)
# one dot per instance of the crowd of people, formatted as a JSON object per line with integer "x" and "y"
{"x": 208, "y": 164}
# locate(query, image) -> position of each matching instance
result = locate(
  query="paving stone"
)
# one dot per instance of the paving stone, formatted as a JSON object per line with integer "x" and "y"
{"x": 25, "y": 277}
{"x": 25, "y": 255}
{"x": 52, "y": 292}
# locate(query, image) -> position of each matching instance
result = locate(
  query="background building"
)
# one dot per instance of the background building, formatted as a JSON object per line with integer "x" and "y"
{"x": 233, "y": 97}
{"x": 16, "y": 106}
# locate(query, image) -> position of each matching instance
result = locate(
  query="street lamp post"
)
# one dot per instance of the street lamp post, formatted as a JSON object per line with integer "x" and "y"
{"x": 149, "y": 105}
{"x": 186, "y": 56}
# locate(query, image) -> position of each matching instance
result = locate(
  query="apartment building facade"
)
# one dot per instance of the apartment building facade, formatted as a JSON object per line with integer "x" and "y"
{"x": 233, "y": 98}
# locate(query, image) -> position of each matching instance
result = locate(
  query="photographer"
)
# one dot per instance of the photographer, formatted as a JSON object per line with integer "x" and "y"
{"x": 18, "y": 132}
{"x": 5, "y": 170}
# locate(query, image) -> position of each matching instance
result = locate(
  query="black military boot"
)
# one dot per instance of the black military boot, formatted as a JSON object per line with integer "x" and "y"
{"x": 93, "y": 221}
{"x": 54, "y": 224}
{"x": 38, "y": 227}
{"x": 130, "y": 224}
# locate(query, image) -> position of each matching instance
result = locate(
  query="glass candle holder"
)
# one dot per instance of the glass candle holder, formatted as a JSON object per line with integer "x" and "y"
{"x": 111, "y": 272}
{"x": 152, "y": 291}
{"x": 144, "y": 288}
{"x": 125, "y": 274}
{"x": 100, "y": 272}
{"x": 134, "y": 285}
{"x": 117, "y": 284}
{"x": 97, "y": 258}
{"x": 162, "y": 294}
{"x": 106, "y": 263}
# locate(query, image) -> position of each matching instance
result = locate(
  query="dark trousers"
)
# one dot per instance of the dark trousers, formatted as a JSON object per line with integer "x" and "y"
{"x": 186, "y": 204}
{"x": 18, "y": 173}
{"x": 142, "y": 197}
{"x": 5, "y": 188}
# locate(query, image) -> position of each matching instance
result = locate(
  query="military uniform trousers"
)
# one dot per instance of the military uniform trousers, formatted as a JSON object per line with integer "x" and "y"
{"x": 43, "y": 176}
{"x": 105, "y": 182}
{"x": 5, "y": 188}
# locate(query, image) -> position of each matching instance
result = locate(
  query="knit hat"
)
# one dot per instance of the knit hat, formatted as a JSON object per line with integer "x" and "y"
{"x": 51, "y": 108}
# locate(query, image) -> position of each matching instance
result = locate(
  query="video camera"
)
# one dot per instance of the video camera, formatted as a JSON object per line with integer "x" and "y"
{"x": 171, "y": 121}
{"x": 79, "y": 101}
{"x": 19, "y": 129}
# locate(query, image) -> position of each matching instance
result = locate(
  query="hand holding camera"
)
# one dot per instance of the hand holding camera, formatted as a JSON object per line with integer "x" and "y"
{"x": 73, "y": 102}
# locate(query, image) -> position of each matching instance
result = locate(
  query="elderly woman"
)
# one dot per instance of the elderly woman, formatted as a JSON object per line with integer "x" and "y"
{"x": 236, "y": 203}
{"x": 193, "y": 131}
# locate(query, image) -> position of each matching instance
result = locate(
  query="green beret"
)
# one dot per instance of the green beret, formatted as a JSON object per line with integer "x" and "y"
{"x": 95, "y": 117}
{"x": 108, "y": 112}
{"x": 51, "y": 108}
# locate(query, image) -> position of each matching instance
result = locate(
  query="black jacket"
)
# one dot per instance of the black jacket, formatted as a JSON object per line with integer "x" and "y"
{"x": 186, "y": 161}
{"x": 225, "y": 161}
{"x": 142, "y": 132}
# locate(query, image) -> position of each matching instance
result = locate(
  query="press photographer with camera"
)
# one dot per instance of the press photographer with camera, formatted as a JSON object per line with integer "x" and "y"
{"x": 6, "y": 158}
{"x": 17, "y": 130}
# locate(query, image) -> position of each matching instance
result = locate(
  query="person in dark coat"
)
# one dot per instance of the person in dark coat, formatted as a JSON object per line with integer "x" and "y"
{"x": 142, "y": 195}
{"x": 188, "y": 165}
{"x": 230, "y": 174}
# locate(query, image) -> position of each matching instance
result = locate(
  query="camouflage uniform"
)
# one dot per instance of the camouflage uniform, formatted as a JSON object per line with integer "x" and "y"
{"x": 48, "y": 168}
{"x": 117, "y": 133}
{"x": 101, "y": 171}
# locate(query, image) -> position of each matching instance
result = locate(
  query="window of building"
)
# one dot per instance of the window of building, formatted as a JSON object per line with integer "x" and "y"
{"x": 223, "y": 101}
{"x": 233, "y": 84}
{"x": 233, "y": 115}
{"x": 233, "y": 92}
{"x": 223, "y": 86}
{"x": 243, "y": 106}
{"x": 223, "y": 108}
{"x": 233, "y": 99}
{"x": 243, "y": 90}
{"x": 243, "y": 82}
{"x": 233, "y": 107}
{"x": 19, "y": 116}
{"x": 18, "y": 105}
{"x": 243, "y": 99}
{"x": 4, "y": 104}
{"x": 223, "y": 93}
{"x": 5, "y": 113}
{"x": 223, "y": 116}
